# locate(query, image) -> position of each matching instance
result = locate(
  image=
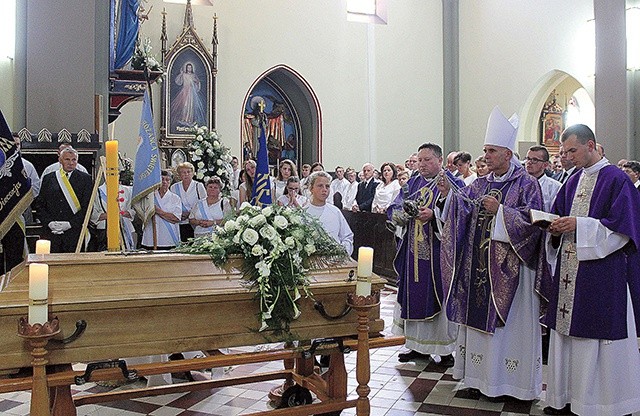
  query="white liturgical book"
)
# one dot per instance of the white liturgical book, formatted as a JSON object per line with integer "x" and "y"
{"x": 541, "y": 219}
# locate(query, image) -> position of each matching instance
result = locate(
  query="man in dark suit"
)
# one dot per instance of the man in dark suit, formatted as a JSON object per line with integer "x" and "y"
{"x": 568, "y": 168}
{"x": 63, "y": 201}
{"x": 366, "y": 189}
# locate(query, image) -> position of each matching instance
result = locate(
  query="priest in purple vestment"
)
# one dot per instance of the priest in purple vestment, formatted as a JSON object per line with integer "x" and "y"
{"x": 594, "y": 365}
{"x": 492, "y": 261}
{"x": 417, "y": 262}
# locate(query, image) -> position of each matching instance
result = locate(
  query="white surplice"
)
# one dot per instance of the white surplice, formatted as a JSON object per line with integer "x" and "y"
{"x": 435, "y": 336}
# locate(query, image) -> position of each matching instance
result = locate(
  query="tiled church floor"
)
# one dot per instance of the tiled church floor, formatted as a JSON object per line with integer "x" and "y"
{"x": 411, "y": 389}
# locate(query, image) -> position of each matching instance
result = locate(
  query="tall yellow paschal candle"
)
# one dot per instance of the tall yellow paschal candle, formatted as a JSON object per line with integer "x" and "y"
{"x": 113, "y": 208}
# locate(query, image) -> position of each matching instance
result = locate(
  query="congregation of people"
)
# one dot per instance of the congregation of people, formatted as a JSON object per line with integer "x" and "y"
{"x": 481, "y": 288}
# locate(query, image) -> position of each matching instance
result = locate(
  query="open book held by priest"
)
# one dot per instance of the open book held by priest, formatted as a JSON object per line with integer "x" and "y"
{"x": 542, "y": 219}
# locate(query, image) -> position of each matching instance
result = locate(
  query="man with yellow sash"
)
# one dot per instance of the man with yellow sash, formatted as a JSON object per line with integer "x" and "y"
{"x": 63, "y": 201}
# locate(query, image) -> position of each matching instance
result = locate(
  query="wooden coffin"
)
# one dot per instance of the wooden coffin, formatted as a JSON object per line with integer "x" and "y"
{"x": 161, "y": 303}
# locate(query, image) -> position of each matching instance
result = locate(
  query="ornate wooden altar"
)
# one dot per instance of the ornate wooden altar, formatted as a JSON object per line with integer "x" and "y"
{"x": 162, "y": 303}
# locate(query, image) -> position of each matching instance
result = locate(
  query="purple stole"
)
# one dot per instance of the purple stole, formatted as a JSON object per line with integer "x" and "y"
{"x": 481, "y": 274}
{"x": 600, "y": 303}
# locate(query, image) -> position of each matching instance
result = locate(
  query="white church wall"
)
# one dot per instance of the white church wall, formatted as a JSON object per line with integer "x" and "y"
{"x": 506, "y": 46}
{"x": 409, "y": 86}
{"x": 377, "y": 104}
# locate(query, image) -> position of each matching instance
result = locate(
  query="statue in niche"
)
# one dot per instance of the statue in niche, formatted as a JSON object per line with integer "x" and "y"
{"x": 272, "y": 112}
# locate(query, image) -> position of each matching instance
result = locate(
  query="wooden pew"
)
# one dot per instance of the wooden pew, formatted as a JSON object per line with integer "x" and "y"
{"x": 370, "y": 230}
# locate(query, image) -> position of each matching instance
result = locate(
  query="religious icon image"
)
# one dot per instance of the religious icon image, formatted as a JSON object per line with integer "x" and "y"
{"x": 552, "y": 122}
{"x": 267, "y": 106}
{"x": 188, "y": 109}
{"x": 188, "y": 84}
{"x": 553, "y": 130}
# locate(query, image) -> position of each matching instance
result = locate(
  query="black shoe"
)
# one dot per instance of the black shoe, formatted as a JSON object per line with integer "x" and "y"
{"x": 446, "y": 361}
{"x": 506, "y": 398}
{"x": 473, "y": 394}
{"x": 403, "y": 357}
{"x": 566, "y": 410}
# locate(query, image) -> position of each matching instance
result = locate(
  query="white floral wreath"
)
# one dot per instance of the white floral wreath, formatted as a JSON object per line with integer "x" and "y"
{"x": 210, "y": 157}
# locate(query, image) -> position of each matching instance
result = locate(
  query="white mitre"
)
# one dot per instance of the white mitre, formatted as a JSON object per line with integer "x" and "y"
{"x": 502, "y": 132}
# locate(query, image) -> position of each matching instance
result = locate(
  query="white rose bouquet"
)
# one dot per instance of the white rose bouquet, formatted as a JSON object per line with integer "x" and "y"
{"x": 143, "y": 57}
{"x": 210, "y": 157}
{"x": 277, "y": 244}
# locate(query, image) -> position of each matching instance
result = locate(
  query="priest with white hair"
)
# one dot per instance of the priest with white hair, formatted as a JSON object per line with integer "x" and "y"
{"x": 492, "y": 258}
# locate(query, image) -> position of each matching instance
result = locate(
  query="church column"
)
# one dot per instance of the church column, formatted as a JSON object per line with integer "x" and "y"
{"x": 633, "y": 150}
{"x": 60, "y": 64}
{"x": 451, "y": 93}
{"x": 611, "y": 93}
{"x": 20, "y": 68}
{"x": 101, "y": 71}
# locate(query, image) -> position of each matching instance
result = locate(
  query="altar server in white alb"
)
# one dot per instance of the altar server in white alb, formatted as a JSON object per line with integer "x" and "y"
{"x": 210, "y": 211}
{"x": 189, "y": 192}
{"x": 329, "y": 215}
{"x": 340, "y": 184}
{"x": 168, "y": 210}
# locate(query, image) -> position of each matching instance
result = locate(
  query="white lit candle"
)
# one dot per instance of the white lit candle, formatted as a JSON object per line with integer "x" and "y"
{"x": 43, "y": 247}
{"x": 38, "y": 293}
{"x": 365, "y": 269}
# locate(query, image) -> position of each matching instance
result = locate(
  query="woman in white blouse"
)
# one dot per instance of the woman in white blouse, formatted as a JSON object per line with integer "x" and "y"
{"x": 190, "y": 192}
{"x": 388, "y": 189}
{"x": 349, "y": 196}
{"x": 211, "y": 210}
{"x": 292, "y": 197}
{"x": 245, "y": 189}
{"x": 463, "y": 163}
{"x": 287, "y": 170}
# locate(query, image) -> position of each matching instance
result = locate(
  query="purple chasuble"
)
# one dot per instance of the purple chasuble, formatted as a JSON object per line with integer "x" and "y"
{"x": 600, "y": 303}
{"x": 417, "y": 260}
{"x": 482, "y": 274}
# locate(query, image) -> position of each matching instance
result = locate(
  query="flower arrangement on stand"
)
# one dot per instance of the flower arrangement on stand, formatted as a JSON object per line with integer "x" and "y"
{"x": 278, "y": 245}
{"x": 144, "y": 58}
{"x": 210, "y": 157}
